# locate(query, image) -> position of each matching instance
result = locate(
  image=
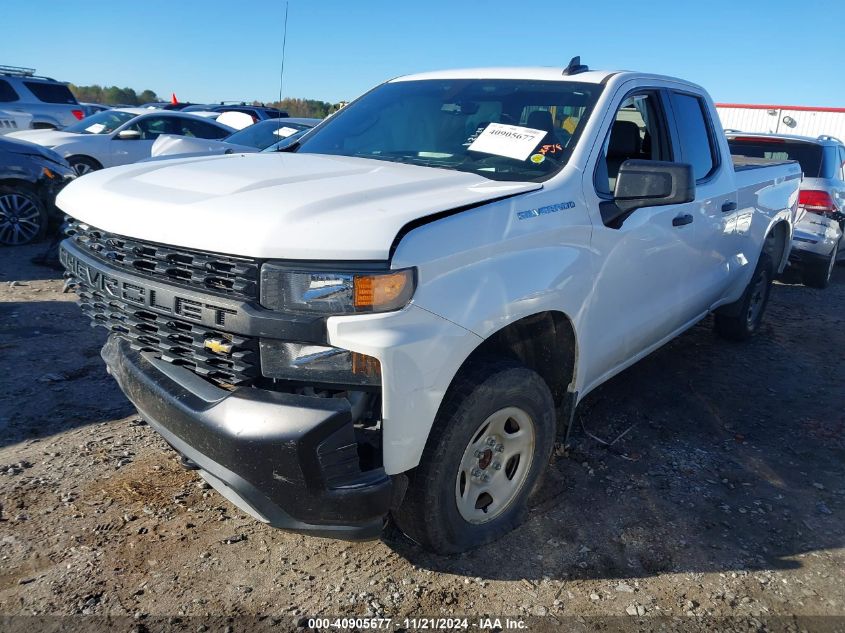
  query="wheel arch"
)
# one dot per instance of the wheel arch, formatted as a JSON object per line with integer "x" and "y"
{"x": 545, "y": 342}
{"x": 776, "y": 244}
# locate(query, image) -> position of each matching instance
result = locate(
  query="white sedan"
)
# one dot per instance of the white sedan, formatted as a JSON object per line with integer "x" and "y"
{"x": 120, "y": 136}
{"x": 254, "y": 138}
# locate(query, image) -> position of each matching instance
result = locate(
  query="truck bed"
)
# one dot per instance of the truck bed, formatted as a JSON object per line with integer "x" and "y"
{"x": 744, "y": 163}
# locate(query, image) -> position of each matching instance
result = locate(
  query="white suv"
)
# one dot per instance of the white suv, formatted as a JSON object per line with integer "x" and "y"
{"x": 50, "y": 102}
{"x": 817, "y": 242}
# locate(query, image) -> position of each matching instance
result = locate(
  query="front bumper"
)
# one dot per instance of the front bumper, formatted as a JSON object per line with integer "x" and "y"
{"x": 288, "y": 460}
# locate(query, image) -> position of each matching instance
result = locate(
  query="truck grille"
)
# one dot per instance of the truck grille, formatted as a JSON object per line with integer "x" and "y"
{"x": 226, "y": 275}
{"x": 235, "y": 361}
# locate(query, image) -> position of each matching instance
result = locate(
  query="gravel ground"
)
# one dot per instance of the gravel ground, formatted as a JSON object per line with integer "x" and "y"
{"x": 724, "y": 498}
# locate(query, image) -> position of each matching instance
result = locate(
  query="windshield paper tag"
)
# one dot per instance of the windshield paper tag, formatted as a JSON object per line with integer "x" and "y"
{"x": 95, "y": 128}
{"x": 284, "y": 132}
{"x": 512, "y": 141}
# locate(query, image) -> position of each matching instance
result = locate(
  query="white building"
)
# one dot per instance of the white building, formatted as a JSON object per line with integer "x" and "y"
{"x": 781, "y": 119}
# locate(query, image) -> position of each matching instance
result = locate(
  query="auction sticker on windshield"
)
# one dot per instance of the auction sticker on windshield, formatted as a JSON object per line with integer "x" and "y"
{"x": 284, "y": 132}
{"x": 513, "y": 141}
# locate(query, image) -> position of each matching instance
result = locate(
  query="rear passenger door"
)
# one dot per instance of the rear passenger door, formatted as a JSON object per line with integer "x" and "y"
{"x": 714, "y": 258}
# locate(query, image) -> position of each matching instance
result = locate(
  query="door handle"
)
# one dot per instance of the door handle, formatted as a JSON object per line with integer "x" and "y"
{"x": 729, "y": 206}
{"x": 681, "y": 220}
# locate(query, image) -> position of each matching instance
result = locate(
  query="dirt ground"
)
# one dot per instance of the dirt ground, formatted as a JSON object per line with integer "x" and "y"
{"x": 725, "y": 498}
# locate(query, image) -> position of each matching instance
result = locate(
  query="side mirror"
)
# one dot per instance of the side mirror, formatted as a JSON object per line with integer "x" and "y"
{"x": 129, "y": 135}
{"x": 648, "y": 183}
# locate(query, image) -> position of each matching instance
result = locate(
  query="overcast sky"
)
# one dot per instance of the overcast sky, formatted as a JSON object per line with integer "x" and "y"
{"x": 746, "y": 51}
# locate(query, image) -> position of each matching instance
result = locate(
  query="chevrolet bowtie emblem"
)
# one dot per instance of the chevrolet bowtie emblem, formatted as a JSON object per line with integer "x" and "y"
{"x": 218, "y": 346}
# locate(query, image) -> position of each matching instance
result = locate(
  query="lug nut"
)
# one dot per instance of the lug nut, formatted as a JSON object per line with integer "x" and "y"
{"x": 497, "y": 466}
{"x": 485, "y": 477}
{"x": 476, "y": 472}
{"x": 500, "y": 448}
{"x": 479, "y": 454}
{"x": 491, "y": 441}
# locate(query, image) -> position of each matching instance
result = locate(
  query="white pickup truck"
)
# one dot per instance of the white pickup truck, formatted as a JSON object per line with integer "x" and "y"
{"x": 398, "y": 314}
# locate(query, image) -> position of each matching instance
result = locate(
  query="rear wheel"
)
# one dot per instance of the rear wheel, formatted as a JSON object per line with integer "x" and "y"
{"x": 488, "y": 448}
{"x": 23, "y": 217}
{"x": 83, "y": 165}
{"x": 740, "y": 321}
{"x": 817, "y": 274}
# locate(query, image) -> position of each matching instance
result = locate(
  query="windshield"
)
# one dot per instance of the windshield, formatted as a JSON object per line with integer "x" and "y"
{"x": 287, "y": 144}
{"x": 264, "y": 134}
{"x": 502, "y": 129}
{"x": 101, "y": 123}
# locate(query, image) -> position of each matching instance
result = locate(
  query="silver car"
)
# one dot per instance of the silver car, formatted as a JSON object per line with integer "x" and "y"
{"x": 818, "y": 240}
{"x": 50, "y": 102}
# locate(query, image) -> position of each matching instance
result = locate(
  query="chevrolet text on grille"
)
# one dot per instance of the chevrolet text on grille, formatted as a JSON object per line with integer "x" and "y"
{"x": 161, "y": 300}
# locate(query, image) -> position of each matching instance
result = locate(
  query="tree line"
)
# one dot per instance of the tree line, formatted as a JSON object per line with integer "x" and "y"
{"x": 310, "y": 108}
{"x": 113, "y": 95}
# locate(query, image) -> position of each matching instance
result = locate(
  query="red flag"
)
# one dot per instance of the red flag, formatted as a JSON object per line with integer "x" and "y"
{"x": 173, "y": 98}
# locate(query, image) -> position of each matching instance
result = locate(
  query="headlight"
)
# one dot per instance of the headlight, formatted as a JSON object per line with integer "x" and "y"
{"x": 335, "y": 293}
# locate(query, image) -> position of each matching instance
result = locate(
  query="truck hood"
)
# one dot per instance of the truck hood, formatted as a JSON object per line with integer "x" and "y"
{"x": 274, "y": 205}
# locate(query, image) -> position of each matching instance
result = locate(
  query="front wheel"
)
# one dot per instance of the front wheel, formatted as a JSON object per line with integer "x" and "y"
{"x": 739, "y": 321}
{"x": 83, "y": 165}
{"x": 488, "y": 448}
{"x": 23, "y": 217}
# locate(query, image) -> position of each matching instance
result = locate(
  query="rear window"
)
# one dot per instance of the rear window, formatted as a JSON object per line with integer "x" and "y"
{"x": 7, "y": 93}
{"x": 51, "y": 93}
{"x": 809, "y": 155}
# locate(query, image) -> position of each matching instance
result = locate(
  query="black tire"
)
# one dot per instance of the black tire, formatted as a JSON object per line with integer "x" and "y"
{"x": 23, "y": 216}
{"x": 739, "y": 321}
{"x": 429, "y": 513}
{"x": 83, "y": 164}
{"x": 817, "y": 274}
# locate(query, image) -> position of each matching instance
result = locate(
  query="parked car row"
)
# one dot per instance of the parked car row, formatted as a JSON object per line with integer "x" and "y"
{"x": 120, "y": 136}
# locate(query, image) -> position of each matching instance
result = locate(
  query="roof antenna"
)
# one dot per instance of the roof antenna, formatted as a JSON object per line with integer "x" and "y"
{"x": 575, "y": 66}
{"x": 284, "y": 43}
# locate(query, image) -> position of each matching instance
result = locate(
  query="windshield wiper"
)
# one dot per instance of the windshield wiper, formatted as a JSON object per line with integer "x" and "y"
{"x": 290, "y": 148}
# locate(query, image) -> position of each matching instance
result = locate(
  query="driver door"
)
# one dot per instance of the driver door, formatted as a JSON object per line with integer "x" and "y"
{"x": 125, "y": 151}
{"x": 640, "y": 293}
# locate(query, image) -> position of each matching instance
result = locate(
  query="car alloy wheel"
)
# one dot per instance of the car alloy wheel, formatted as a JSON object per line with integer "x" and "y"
{"x": 20, "y": 219}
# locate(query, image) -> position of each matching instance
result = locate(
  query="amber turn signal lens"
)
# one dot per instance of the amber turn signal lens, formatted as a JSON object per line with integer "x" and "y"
{"x": 383, "y": 292}
{"x": 364, "y": 365}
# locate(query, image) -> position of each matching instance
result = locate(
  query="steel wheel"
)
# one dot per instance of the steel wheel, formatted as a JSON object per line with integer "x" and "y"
{"x": 21, "y": 220}
{"x": 494, "y": 465}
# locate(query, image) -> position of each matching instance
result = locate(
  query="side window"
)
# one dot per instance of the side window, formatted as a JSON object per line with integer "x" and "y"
{"x": 638, "y": 131}
{"x": 694, "y": 134}
{"x": 154, "y": 126}
{"x": 51, "y": 93}
{"x": 200, "y": 129}
{"x": 7, "y": 93}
